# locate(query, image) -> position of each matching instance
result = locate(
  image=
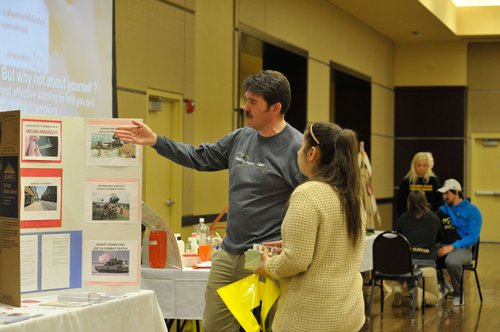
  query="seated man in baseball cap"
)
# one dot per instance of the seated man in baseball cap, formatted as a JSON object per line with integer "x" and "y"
{"x": 462, "y": 224}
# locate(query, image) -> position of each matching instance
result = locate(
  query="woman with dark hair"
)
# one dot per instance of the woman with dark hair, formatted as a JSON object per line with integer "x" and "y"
{"x": 323, "y": 238}
{"x": 423, "y": 230}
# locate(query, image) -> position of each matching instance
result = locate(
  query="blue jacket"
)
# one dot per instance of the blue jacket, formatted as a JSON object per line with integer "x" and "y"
{"x": 467, "y": 220}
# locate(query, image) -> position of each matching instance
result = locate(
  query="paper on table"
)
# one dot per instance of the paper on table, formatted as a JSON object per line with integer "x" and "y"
{"x": 65, "y": 304}
{"x": 203, "y": 265}
{"x": 12, "y": 318}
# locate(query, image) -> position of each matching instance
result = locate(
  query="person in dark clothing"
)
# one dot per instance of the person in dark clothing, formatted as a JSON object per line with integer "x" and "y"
{"x": 423, "y": 230}
{"x": 419, "y": 177}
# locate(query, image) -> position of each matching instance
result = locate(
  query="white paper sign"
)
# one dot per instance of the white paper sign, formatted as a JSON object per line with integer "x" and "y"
{"x": 56, "y": 260}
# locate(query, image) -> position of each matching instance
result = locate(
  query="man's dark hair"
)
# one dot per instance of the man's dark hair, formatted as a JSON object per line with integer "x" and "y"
{"x": 460, "y": 194}
{"x": 272, "y": 85}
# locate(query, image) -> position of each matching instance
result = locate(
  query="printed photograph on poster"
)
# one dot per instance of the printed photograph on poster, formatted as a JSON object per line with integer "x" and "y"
{"x": 114, "y": 206}
{"x": 41, "y": 194}
{"x": 105, "y": 149}
{"x": 41, "y": 140}
{"x": 40, "y": 198}
{"x": 111, "y": 261}
{"x": 104, "y": 262}
{"x": 112, "y": 201}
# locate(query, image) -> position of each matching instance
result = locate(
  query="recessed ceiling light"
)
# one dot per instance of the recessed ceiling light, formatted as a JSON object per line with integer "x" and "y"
{"x": 475, "y": 3}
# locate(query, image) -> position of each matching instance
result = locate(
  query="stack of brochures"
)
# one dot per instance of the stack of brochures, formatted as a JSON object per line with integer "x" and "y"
{"x": 78, "y": 299}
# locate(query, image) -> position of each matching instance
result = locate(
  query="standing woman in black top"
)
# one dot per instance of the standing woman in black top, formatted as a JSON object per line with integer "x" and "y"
{"x": 419, "y": 177}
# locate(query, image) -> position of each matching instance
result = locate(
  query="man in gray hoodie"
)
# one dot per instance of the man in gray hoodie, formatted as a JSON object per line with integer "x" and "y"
{"x": 263, "y": 171}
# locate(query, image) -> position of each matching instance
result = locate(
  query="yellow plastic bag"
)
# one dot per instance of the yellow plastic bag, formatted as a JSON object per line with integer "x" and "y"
{"x": 268, "y": 297}
{"x": 244, "y": 295}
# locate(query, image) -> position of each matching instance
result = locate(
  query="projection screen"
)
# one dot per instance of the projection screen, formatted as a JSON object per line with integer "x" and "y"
{"x": 56, "y": 57}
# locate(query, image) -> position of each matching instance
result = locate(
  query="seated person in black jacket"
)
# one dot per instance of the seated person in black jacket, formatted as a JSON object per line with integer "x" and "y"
{"x": 423, "y": 230}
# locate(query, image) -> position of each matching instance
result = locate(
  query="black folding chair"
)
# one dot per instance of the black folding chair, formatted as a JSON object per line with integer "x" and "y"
{"x": 471, "y": 266}
{"x": 392, "y": 261}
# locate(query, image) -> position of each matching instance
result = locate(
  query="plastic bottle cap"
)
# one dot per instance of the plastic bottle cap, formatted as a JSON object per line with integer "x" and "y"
{"x": 202, "y": 220}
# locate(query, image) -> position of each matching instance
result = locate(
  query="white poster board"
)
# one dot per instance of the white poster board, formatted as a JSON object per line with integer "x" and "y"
{"x": 80, "y": 215}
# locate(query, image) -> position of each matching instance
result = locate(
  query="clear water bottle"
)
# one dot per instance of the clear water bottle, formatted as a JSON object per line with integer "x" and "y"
{"x": 204, "y": 238}
{"x": 215, "y": 243}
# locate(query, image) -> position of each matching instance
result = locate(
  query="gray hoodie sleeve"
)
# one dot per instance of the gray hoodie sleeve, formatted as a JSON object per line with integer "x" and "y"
{"x": 206, "y": 157}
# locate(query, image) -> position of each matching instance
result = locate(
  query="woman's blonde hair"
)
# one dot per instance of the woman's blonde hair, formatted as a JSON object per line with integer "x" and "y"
{"x": 431, "y": 161}
{"x": 412, "y": 174}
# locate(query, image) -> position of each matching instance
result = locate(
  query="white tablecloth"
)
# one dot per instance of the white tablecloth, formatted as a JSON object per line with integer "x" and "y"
{"x": 367, "y": 261}
{"x": 136, "y": 311}
{"x": 181, "y": 293}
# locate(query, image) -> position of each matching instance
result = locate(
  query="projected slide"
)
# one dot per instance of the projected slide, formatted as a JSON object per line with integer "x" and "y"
{"x": 56, "y": 57}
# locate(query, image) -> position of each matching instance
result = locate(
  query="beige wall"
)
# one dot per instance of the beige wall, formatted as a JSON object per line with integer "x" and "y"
{"x": 483, "y": 100}
{"x": 431, "y": 64}
{"x": 214, "y": 68}
{"x": 154, "y": 50}
{"x": 189, "y": 48}
{"x": 330, "y": 35}
{"x": 474, "y": 65}
{"x": 478, "y": 21}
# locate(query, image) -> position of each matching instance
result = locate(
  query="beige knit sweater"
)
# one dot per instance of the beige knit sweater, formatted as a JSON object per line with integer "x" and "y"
{"x": 318, "y": 269}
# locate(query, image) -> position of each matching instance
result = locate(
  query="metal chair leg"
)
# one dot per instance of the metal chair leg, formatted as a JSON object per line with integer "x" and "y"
{"x": 462, "y": 287}
{"x": 415, "y": 299}
{"x": 423, "y": 296}
{"x": 371, "y": 299}
{"x": 382, "y": 297}
{"x": 478, "y": 286}
{"x": 169, "y": 323}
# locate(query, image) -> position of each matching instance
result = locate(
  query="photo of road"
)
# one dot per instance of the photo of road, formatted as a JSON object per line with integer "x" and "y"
{"x": 40, "y": 198}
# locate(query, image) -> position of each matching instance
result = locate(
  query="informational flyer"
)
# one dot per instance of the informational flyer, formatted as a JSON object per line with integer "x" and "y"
{"x": 112, "y": 200}
{"x": 105, "y": 149}
{"x": 41, "y": 140}
{"x": 51, "y": 260}
{"x": 41, "y": 196}
{"x": 29, "y": 263}
{"x": 111, "y": 262}
{"x": 56, "y": 261}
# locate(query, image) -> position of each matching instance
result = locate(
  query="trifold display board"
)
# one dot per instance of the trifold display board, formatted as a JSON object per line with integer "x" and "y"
{"x": 70, "y": 206}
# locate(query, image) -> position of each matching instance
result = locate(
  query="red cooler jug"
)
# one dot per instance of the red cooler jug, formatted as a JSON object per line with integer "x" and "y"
{"x": 157, "y": 248}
